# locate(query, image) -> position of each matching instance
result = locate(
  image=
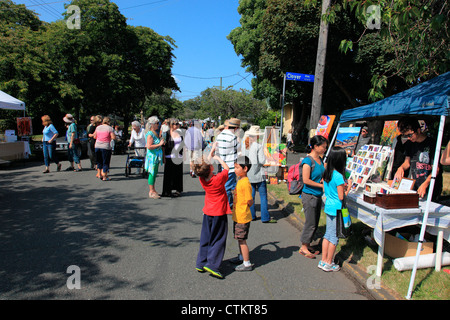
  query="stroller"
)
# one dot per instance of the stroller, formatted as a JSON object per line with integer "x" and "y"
{"x": 135, "y": 160}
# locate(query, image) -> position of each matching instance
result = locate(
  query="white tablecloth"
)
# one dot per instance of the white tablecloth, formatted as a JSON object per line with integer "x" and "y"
{"x": 383, "y": 220}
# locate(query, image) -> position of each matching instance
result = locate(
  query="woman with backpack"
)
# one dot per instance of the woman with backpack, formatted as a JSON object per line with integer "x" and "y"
{"x": 312, "y": 171}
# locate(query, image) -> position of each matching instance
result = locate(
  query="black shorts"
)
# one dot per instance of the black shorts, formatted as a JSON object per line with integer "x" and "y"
{"x": 241, "y": 230}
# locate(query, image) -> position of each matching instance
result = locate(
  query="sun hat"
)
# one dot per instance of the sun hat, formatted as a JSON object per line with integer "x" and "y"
{"x": 254, "y": 131}
{"x": 234, "y": 122}
{"x": 69, "y": 118}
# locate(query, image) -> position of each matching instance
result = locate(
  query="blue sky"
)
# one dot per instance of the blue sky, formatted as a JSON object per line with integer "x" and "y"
{"x": 199, "y": 28}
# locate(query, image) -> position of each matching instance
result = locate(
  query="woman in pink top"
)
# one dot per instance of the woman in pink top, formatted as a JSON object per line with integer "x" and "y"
{"x": 103, "y": 135}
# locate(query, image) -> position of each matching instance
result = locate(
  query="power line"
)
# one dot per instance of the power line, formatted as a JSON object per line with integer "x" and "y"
{"x": 204, "y": 78}
{"x": 47, "y": 10}
{"x": 144, "y": 4}
{"x": 50, "y": 8}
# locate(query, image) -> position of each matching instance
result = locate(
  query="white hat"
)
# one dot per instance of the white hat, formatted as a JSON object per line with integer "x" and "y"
{"x": 69, "y": 118}
{"x": 254, "y": 131}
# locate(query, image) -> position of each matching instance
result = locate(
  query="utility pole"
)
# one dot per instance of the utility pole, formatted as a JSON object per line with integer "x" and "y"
{"x": 320, "y": 71}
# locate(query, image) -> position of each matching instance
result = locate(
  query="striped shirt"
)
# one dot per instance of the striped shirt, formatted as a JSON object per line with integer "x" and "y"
{"x": 227, "y": 148}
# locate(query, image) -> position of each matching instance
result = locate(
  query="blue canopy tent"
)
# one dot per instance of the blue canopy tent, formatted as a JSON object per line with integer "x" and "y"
{"x": 428, "y": 99}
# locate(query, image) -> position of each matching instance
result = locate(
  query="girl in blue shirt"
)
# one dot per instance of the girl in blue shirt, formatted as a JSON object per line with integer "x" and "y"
{"x": 335, "y": 191}
{"x": 312, "y": 193}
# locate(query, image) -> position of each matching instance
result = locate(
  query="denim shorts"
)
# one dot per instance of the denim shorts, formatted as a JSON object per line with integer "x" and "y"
{"x": 330, "y": 232}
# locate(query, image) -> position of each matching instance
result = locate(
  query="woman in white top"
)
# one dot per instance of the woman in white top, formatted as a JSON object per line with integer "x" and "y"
{"x": 138, "y": 138}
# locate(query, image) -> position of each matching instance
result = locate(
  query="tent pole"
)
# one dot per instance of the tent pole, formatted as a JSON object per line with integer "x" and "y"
{"x": 332, "y": 142}
{"x": 427, "y": 208}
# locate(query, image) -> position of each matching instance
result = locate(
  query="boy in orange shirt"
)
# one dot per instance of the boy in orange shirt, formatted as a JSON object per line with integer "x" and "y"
{"x": 242, "y": 215}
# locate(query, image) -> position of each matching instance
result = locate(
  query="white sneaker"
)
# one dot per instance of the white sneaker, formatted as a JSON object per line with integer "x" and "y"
{"x": 331, "y": 267}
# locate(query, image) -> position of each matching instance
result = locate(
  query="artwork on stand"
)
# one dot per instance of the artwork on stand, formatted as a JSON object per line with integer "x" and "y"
{"x": 24, "y": 127}
{"x": 347, "y": 138}
{"x": 390, "y": 132}
{"x": 325, "y": 125}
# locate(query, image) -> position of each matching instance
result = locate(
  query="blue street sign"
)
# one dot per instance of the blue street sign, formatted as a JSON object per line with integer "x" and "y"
{"x": 299, "y": 77}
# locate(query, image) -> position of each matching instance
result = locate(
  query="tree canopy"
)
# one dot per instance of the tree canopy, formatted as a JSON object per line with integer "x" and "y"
{"x": 104, "y": 67}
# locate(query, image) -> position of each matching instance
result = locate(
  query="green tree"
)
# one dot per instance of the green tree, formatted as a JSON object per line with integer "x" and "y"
{"x": 227, "y": 103}
{"x": 278, "y": 36}
{"x": 26, "y": 70}
{"x": 413, "y": 34}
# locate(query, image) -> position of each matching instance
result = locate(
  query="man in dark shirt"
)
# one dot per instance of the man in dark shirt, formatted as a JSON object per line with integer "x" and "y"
{"x": 419, "y": 157}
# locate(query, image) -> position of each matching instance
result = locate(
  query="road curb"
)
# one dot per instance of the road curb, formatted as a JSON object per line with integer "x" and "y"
{"x": 354, "y": 271}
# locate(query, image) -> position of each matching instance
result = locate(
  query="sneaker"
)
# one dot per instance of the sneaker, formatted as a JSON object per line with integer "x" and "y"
{"x": 216, "y": 274}
{"x": 272, "y": 220}
{"x": 321, "y": 265}
{"x": 331, "y": 267}
{"x": 242, "y": 267}
{"x": 201, "y": 270}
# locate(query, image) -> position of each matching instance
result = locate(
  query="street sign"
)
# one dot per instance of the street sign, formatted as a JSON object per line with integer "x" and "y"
{"x": 299, "y": 77}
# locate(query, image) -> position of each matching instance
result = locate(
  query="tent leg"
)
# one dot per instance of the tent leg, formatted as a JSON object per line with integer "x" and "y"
{"x": 332, "y": 142}
{"x": 440, "y": 239}
{"x": 380, "y": 256}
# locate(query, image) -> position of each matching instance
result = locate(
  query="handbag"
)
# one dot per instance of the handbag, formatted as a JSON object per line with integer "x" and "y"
{"x": 343, "y": 222}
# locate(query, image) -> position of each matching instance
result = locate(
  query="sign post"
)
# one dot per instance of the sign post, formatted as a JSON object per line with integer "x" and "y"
{"x": 295, "y": 77}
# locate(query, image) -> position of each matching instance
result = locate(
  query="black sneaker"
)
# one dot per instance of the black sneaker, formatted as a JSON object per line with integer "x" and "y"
{"x": 235, "y": 260}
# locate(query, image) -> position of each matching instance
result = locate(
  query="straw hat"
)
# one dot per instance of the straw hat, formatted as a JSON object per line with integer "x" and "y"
{"x": 69, "y": 118}
{"x": 234, "y": 123}
{"x": 254, "y": 131}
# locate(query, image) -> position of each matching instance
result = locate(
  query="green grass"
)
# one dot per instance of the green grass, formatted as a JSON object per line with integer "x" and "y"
{"x": 428, "y": 284}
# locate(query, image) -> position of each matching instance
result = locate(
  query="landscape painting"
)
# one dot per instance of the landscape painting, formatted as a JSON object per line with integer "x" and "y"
{"x": 347, "y": 138}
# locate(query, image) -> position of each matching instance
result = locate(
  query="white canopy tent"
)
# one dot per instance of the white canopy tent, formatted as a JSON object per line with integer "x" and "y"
{"x": 11, "y": 103}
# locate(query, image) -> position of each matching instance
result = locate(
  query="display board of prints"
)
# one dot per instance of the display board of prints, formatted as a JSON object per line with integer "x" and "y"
{"x": 369, "y": 163}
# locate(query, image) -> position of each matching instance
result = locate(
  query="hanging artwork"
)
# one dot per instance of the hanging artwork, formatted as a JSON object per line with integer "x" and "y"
{"x": 347, "y": 138}
{"x": 324, "y": 126}
{"x": 274, "y": 151}
{"x": 390, "y": 131}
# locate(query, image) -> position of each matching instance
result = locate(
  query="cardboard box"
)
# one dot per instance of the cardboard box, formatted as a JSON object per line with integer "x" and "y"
{"x": 397, "y": 248}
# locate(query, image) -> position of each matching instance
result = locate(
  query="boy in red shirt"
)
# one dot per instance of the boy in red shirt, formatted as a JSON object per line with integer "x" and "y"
{"x": 213, "y": 236}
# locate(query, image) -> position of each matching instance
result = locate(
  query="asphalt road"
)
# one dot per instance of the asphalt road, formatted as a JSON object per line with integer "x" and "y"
{"x": 124, "y": 245}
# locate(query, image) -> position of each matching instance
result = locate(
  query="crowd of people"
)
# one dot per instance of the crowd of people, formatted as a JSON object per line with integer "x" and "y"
{"x": 240, "y": 160}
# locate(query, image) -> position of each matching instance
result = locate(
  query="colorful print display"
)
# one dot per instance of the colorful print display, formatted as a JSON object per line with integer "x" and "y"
{"x": 368, "y": 163}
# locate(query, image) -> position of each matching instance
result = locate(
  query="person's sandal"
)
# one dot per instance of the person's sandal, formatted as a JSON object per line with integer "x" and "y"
{"x": 154, "y": 195}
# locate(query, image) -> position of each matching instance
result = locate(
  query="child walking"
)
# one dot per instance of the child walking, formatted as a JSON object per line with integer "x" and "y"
{"x": 335, "y": 191}
{"x": 242, "y": 215}
{"x": 215, "y": 224}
